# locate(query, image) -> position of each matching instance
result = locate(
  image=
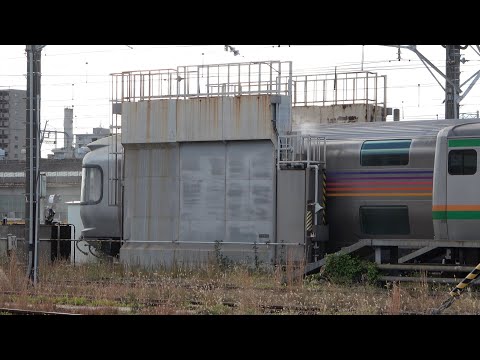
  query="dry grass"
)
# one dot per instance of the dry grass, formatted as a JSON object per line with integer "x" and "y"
{"x": 394, "y": 305}
{"x": 108, "y": 288}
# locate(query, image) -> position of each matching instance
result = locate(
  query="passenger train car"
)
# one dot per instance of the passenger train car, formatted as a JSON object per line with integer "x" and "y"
{"x": 404, "y": 180}
{"x": 389, "y": 180}
{"x": 101, "y": 219}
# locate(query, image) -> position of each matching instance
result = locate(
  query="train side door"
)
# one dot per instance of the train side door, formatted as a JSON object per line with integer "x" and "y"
{"x": 463, "y": 189}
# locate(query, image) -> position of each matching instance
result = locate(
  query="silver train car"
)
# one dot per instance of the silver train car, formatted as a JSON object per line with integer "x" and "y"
{"x": 390, "y": 180}
{"x": 404, "y": 180}
{"x": 101, "y": 219}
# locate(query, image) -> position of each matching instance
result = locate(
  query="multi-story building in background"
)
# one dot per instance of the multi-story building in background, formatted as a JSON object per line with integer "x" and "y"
{"x": 12, "y": 124}
{"x": 82, "y": 140}
{"x": 77, "y": 150}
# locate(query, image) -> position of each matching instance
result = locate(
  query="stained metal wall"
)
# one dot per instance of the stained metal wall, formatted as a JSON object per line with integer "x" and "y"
{"x": 291, "y": 201}
{"x": 151, "y": 193}
{"x": 149, "y": 122}
{"x": 336, "y": 114}
{"x": 283, "y": 114}
{"x": 196, "y": 194}
{"x": 202, "y": 191}
{"x": 204, "y": 119}
{"x": 228, "y": 190}
{"x": 198, "y": 172}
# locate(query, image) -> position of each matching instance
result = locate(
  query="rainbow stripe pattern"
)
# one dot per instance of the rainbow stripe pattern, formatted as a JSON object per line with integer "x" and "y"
{"x": 417, "y": 183}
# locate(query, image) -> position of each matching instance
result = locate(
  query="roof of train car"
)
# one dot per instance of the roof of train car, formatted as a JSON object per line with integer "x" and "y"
{"x": 378, "y": 130}
{"x": 105, "y": 141}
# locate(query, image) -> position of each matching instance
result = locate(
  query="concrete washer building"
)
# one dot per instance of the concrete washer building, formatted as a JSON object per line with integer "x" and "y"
{"x": 200, "y": 147}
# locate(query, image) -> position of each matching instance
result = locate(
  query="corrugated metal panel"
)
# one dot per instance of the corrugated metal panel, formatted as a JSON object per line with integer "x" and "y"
{"x": 224, "y": 192}
{"x": 250, "y": 199}
{"x": 151, "y": 192}
{"x": 203, "y": 119}
{"x": 153, "y": 160}
{"x": 202, "y": 160}
{"x": 261, "y": 199}
{"x": 250, "y": 193}
{"x": 202, "y": 231}
{"x": 129, "y": 117}
{"x": 200, "y": 119}
{"x": 232, "y": 182}
{"x": 247, "y": 117}
{"x": 238, "y": 204}
{"x": 249, "y": 231}
{"x": 202, "y": 199}
{"x": 148, "y": 228}
{"x": 291, "y": 207}
{"x": 283, "y": 115}
{"x": 250, "y": 160}
{"x": 149, "y": 122}
{"x": 202, "y": 184}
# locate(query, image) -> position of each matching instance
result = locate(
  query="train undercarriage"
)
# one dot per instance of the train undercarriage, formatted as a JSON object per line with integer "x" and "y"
{"x": 407, "y": 260}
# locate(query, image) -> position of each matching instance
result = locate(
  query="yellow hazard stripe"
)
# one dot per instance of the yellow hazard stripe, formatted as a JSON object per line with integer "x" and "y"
{"x": 465, "y": 282}
{"x": 324, "y": 198}
{"x": 308, "y": 221}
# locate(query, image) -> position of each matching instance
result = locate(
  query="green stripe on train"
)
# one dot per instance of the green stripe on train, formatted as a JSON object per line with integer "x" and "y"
{"x": 463, "y": 142}
{"x": 456, "y": 215}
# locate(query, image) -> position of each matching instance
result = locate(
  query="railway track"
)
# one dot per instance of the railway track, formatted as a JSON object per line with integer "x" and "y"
{"x": 125, "y": 302}
{"x": 265, "y": 308}
{"x": 11, "y": 311}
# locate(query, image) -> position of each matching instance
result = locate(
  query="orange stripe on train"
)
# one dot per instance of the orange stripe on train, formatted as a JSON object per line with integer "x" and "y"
{"x": 380, "y": 188}
{"x": 379, "y": 194}
{"x": 456, "y": 208}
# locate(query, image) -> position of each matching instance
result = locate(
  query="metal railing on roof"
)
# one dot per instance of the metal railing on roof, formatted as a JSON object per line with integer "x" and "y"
{"x": 305, "y": 150}
{"x": 230, "y": 79}
{"x": 339, "y": 89}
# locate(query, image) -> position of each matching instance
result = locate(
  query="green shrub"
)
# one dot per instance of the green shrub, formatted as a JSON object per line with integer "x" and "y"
{"x": 347, "y": 269}
{"x": 221, "y": 261}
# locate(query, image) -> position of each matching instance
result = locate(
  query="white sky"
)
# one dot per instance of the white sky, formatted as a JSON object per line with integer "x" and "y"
{"x": 78, "y": 75}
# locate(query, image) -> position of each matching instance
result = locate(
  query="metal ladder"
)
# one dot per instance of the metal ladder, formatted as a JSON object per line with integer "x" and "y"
{"x": 115, "y": 153}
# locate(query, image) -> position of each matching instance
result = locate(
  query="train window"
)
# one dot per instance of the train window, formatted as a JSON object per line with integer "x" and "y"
{"x": 385, "y": 152}
{"x": 92, "y": 185}
{"x": 384, "y": 220}
{"x": 462, "y": 162}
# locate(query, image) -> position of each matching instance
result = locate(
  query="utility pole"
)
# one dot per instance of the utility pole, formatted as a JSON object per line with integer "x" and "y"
{"x": 452, "y": 88}
{"x": 32, "y": 172}
{"x": 452, "y": 66}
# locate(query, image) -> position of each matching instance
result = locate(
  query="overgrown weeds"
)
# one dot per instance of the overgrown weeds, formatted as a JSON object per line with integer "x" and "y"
{"x": 105, "y": 288}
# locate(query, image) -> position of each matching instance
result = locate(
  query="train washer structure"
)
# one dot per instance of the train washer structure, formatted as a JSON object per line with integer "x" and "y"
{"x": 249, "y": 161}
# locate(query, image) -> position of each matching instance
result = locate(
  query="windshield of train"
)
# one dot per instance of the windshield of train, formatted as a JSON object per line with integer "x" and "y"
{"x": 91, "y": 191}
